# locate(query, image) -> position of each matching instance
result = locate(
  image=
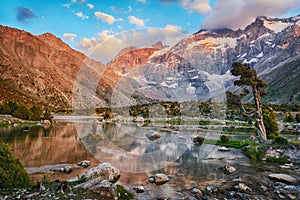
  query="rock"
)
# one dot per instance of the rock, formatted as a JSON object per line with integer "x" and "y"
{"x": 291, "y": 197}
{"x": 159, "y": 179}
{"x": 212, "y": 189}
{"x": 63, "y": 188}
{"x": 84, "y": 163}
{"x": 106, "y": 190}
{"x": 153, "y": 135}
{"x": 47, "y": 123}
{"x": 286, "y": 166}
{"x": 263, "y": 188}
{"x": 227, "y": 169}
{"x": 104, "y": 171}
{"x": 67, "y": 169}
{"x": 223, "y": 149}
{"x": 139, "y": 189}
{"x": 283, "y": 178}
{"x": 197, "y": 192}
{"x": 242, "y": 187}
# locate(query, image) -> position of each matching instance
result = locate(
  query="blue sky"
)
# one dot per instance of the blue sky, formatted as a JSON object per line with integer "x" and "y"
{"x": 84, "y": 24}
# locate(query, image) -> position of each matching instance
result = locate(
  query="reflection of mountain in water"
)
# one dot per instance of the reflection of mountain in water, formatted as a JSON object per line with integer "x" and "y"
{"x": 39, "y": 146}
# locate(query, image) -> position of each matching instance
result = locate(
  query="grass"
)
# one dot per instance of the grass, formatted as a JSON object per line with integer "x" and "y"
{"x": 237, "y": 144}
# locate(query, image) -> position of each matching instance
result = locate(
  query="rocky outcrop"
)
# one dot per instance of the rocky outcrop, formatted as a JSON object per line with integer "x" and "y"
{"x": 152, "y": 135}
{"x": 283, "y": 178}
{"x": 159, "y": 179}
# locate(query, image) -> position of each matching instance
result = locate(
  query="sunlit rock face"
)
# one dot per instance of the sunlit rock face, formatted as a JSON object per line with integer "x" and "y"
{"x": 197, "y": 67}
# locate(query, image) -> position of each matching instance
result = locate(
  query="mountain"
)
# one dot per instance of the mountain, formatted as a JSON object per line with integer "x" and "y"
{"x": 43, "y": 70}
{"x": 197, "y": 67}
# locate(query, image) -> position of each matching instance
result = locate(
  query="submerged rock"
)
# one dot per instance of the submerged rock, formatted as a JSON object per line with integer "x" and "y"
{"x": 283, "y": 178}
{"x": 223, "y": 149}
{"x": 159, "y": 179}
{"x": 153, "y": 135}
{"x": 242, "y": 187}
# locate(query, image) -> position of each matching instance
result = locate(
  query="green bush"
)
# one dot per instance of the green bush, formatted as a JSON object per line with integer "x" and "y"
{"x": 298, "y": 117}
{"x": 280, "y": 140}
{"x": 289, "y": 117}
{"x": 224, "y": 139}
{"x": 254, "y": 152}
{"x": 21, "y": 112}
{"x": 12, "y": 172}
{"x": 198, "y": 140}
{"x": 270, "y": 122}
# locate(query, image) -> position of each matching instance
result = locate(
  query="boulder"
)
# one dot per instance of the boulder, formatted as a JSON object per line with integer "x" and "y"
{"x": 84, "y": 163}
{"x": 227, "y": 169}
{"x": 283, "y": 178}
{"x": 139, "y": 189}
{"x": 242, "y": 187}
{"x": 106, "y": 190}
{"x": 67, "y": 169}
{"x": 223, "y": 149}
{"x": 153, "y": 135}
{"x": 104, "y": 171}
{"x": 159, "y": 179}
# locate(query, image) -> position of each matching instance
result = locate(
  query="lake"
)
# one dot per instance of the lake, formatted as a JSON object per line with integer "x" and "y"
{"x": 125, "y": 145}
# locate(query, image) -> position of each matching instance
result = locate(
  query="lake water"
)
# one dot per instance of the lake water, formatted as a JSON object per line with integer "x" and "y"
{"x": 126, "y": 146}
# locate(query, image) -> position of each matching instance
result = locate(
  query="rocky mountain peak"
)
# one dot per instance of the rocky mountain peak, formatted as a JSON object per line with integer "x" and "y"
{"x": 54, "y": 41}
{"x": 158, "y": 45}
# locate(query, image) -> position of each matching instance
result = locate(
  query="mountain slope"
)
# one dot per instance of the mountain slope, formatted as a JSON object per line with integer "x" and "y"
{"x": 197, "y": 67}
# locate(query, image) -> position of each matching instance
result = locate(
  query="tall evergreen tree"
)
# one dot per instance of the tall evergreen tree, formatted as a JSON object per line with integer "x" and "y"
{"x": 248, "y": 77}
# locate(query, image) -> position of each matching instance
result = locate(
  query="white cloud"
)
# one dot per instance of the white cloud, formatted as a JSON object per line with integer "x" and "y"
{"x": 108, "y": 44}
{"x": 67, "y": 5}
{"x": 136, "y": 21}
{"x": 200, "y": 6}
{"x": 78, "y": 1}
{"x": 91, "y": 6}
{"x": 105, "y": 17}
{"x": 239, "y": 13}
{"x": 81, "y": 15}
{"x": 70, "y": 36}
{"x": 142, "y": 1}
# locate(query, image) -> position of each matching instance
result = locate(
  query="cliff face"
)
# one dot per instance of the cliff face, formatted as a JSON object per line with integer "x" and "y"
{"x": 40, "y": 69}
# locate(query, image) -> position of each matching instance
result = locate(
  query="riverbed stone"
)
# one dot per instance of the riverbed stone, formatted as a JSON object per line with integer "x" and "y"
{"x": 139, "y": 189}
{"x": 224, "y": 149}
{"x": 106, "y": 190}
{"x": 227, "y": 169}
{"x": 159, "y": 179}
{"x": 84, "y": 163}
{"x": 283, "y": 178}
{"x": 291, "y": 197}
{"x": 242, "y": 187}
{"x": 104, "y": 170}
{"x": 153, "y": 135}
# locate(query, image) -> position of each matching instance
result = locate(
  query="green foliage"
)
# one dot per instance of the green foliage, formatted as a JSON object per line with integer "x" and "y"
{"x": 224, "y": 139}
{"x": 123, "y": 193}
{"x": 298, "y": 117}
{"x": 198, "y": 140}
{"x": 21, "y": 112}
{"x": 12, "y": 172}
{"x": 289, "y": 117}
{"x": 270, "y": 122}
{"x": 280, "y": 140}
{"x": 281, "y": 159}
{"x": 234, "y": 143}
{"x": 254, "y": 152}
{"x": 6, "y": 109}
{"x": 247, "y": 76}
{"x": 35, "y": 113}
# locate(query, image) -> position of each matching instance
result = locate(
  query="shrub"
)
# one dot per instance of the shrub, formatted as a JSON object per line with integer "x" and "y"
{"x": 198, "y": 140}
{"x": 289, "y": 118}
{"x": 280, "y": 140}
{"x": 254, "y": 152}
{"x": 12, "y": 172}
{"x": 21, "y": 112}
{"x": 298, "y": 117}
{"x": 270, "y": 122}
{"x": 224, "y": 139}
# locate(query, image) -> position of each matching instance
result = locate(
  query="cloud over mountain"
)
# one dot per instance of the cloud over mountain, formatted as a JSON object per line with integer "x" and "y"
{"x": 238, "y": 13}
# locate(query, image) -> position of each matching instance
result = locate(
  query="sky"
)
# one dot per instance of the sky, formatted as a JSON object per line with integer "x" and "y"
{"x": 101, "y": 28}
